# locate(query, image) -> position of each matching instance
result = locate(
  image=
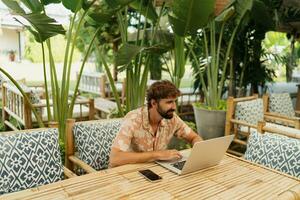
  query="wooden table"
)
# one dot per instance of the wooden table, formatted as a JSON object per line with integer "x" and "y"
{"x": 233, "y": 178}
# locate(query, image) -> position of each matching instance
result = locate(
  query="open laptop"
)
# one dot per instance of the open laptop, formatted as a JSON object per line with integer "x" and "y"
{"x": 204, "y": 154}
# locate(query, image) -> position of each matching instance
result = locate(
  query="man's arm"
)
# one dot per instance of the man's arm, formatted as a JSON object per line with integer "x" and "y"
{"x": 193, "y": 137}
{"x": 118, "y": 157}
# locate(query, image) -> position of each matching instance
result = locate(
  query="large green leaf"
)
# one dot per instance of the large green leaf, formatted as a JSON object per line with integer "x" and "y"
{"x": 226, "y": 14}
{"x": 190, "y": 15}
{"x": 104, "y": 10}
{"x": 14, "y": 6}
{"x": 43, "y": 27}
{"x": 146, "y": 8}
{"x": 261, "y": 11}
{"x": 73, "y": 5}
{"x": 242, "y": 8}
{"x": 33, "y": 5}
{"x": 116, "y": 4}
{"x": 126, "y": 53}
{"x": 46, "y": 2}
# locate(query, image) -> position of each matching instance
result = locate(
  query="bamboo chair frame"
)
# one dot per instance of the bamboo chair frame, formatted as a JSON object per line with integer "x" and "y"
{"x": 232, "y": 124}
{"x": 19, "y": 108}
{"x": 285, "y": 120}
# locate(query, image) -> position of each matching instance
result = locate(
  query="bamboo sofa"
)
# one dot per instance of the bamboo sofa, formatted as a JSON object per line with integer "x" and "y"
{"x": 89, "y": 143}
{"x": 243, "y": 115}
{"x": 15, "y": 105}
{"x": 30, "y": 158}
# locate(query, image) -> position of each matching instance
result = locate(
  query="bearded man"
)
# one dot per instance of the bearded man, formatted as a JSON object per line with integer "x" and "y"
{"x": 146, "y": 132}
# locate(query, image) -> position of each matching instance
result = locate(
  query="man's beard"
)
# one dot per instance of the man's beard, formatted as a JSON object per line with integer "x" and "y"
{"x": 165, "y": 114}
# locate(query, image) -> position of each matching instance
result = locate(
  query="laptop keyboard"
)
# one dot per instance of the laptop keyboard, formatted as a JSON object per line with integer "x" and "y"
{"x": 179, "y": 165}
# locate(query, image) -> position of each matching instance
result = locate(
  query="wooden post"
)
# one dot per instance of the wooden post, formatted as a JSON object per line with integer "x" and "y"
{"x": 102, "y": 86}
{"x": 229, "y": 114}
{"x": 260, "y": 126}
{"x": 4, "y": 102}
{"x": 27, "y": 113}
{"x": 298, "y": 98}
{"x": 123, "y": 95}
{"x": 69, "y": 143}
{"x": 265, "y": 103}
{"x": 91, "y": 109}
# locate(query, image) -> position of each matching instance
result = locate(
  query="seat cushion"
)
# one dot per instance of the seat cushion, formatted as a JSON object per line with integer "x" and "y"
{"x": 274, "y": 151}
{"x": 94, "y": 139}
{"x": 29, "y": 159}
{"x": 250, "y": 111}
{"x": 281, "y": 103}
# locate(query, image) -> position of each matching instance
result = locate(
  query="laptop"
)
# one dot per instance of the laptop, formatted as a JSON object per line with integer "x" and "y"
{"x": 204, "y": 154}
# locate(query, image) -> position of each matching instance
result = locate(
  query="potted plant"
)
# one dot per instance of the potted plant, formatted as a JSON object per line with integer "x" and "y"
{"x": 218, "y": 37}
{"x": 12, "y": 55}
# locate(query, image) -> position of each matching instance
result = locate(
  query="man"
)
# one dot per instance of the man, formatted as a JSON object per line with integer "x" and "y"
{"x": 146, "y": 131}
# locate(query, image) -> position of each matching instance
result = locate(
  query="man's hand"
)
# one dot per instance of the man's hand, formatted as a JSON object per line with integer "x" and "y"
{"x": 169, "y": 155}
{"x": 118, "y": 157}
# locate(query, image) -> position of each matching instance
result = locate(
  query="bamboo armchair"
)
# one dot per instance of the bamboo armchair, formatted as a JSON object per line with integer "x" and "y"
{"x": 88, "y": 143}
{"x": 15, "y": 105}
{"x": 30, "y": 158}
{"x": 280, "y": 106}
{"x": 242, "y": 117}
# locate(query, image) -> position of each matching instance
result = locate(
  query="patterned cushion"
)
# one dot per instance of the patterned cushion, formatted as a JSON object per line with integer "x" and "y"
{"x": 94, "y": 140}
{"x": 250, "y": 111}
{"x": 275, "y": 151}
{"x": 281, "y": 103}
{"x": 29, "y": 159}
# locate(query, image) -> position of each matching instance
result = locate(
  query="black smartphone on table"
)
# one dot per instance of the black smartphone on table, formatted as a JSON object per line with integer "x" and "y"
{"x": 150, "y": 175}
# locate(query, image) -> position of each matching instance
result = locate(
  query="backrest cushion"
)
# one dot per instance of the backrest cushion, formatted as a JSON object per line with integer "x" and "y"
{"x": 281, "y": 103}
{"x": 29, "y": 159}
{"x": 94, "y": 139}
{"x": 250, "y": 111}
{"x": 274, "y": 151}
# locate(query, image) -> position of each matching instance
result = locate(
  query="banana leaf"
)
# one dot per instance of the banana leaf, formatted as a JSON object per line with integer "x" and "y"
{"x": 42, "y": 26}
{"x": 190, "y": 15}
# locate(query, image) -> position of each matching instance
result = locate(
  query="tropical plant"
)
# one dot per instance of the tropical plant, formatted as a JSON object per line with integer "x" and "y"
{"x": 218, "y": 37}
{"x": 43, "y": 28}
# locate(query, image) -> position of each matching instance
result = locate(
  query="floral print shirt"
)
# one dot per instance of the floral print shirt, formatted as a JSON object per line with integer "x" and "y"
{"x": 136, "y": 133}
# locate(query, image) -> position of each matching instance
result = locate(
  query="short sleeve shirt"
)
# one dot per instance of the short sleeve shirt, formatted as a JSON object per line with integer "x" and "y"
{"x": 136, "y": 133}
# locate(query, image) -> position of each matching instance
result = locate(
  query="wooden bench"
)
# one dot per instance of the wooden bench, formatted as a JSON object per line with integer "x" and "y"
{"x": 15, "y": 105}
{"x": 103, "y": 107}
{"x": 96, "y": 83}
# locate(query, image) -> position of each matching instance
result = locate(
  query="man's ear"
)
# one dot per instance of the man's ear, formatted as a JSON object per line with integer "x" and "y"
{"x": 153, "y": 102}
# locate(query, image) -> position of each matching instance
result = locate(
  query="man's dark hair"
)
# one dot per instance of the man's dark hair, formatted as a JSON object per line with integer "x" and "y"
{"x": 161, "y": 90}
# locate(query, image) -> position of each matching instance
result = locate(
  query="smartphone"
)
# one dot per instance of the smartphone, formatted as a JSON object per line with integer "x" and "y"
{"x": 150, "y": 175}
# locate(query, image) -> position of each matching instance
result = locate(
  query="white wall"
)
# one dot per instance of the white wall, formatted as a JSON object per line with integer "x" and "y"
{"x": 9, "y": 40}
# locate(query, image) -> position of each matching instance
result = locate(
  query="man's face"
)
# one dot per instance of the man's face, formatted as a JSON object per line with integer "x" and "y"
{"x": 166, "y": 107}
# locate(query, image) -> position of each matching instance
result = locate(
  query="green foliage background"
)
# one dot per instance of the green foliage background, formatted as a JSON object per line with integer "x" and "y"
{"x": 33, "y": 50}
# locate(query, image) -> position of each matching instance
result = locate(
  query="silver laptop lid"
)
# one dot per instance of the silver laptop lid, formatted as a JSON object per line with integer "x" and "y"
{"x": 207, "y": 153}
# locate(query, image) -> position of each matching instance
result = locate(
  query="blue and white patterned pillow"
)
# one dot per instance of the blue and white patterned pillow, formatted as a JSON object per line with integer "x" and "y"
{"x": 250, "y": 111}
{"x": 281, "y": 103}
{"x": 94, "y": 140}
{"x": 29, "y": 159}
{"x": 274, "y": 151}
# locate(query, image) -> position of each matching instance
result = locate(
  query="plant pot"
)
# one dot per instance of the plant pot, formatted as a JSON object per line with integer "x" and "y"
{"x": 210, "y": 123}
